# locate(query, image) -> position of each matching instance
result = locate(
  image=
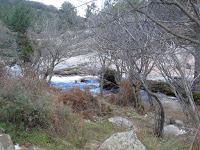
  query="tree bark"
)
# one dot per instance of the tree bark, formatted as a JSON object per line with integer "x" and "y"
{"x": 102, "y": 80}
{"x": 159, "y": 112}
{"x": 196, "y": 86}
{"x": 159, "y": 116}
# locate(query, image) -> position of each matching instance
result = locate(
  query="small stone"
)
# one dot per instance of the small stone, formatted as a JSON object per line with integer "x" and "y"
{"x": 173, "y": 130}
{"x": 121, "y": 121}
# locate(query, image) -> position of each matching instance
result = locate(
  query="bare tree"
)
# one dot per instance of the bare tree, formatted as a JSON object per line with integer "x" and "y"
{"x": 180, "y": 18}
{"x": 7, "y": 44}
{"x": 137, "y": 37}
{"x": 175, "y": 70}
{"x": 50, "y": 47}
{"x": 132, "y": 39}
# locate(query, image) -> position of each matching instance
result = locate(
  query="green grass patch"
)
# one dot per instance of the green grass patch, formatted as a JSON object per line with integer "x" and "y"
{"x": 166, "y": 143}
{"x": 34, "y": 137}
{"x": 91, "y": 131}
{"x": 101, "y": 131}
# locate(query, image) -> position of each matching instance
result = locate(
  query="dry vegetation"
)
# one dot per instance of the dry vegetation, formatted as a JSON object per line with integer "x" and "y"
{"x": 60, "y": 117}
{"x": 82, "y": 102}
{"x": 124, "y": 97}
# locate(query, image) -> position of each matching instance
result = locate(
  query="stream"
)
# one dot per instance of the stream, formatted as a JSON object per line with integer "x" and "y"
{"x": 82, "y": 82}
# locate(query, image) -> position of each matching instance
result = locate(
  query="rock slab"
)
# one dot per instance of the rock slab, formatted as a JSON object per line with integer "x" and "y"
{"x": 122, "y": 141}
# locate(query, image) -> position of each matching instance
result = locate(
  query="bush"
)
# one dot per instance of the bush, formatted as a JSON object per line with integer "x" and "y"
{"x": 82, "y": 102}
{"x": 29, "y": 105}
{"x": 196, "y": 96}
{"x": 109, "y": 79}
{"x": 25, "y": 103}
{"x": 68, "y": 126}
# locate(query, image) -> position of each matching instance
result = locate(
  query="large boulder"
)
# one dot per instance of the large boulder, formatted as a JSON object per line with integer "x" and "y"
{"x": 123, "y": 141}
{"x": 68, "y": 71}
{"x": 6, "y": 142}
{"x": 121, "y": 121}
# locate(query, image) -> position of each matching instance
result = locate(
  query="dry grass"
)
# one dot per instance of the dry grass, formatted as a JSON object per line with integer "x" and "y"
{"x": 165, "y": 143}
{"x": 82, "y": 102}
{"x": 125, "y": 95}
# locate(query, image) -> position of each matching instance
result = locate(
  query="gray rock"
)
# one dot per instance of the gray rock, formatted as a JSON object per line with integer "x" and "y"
{"x": 6, "y": 142}
{"x": 122, "y": 141}
{"x": 144, "y": 97}
{"x": 14, "y": 70}
{"x": 17, "y": 147}
{"x": 173, "y": 130}
{"x": 121, "y": 121}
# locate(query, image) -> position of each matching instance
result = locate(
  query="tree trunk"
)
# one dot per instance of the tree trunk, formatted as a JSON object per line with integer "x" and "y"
{"x": 159, "y": 118}
{"x": 196, "y": 86}
{"x": 50, "y": 77}
{"x": 102, "y": 80}
{"x": 159, "y": 112}
{"x": 46, "y": 74}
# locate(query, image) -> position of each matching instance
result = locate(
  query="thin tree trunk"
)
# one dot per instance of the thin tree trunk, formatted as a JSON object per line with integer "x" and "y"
{"x": 196, "y": 86}
{"x": 159, "y": 113}
{"x": 102, "y": 80}
{"x": 50, "y": 77}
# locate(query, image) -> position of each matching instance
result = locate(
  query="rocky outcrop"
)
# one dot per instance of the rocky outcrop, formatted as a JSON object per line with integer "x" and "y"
{"x": 67, "y": 72}
{"x": 123, "y": 141}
